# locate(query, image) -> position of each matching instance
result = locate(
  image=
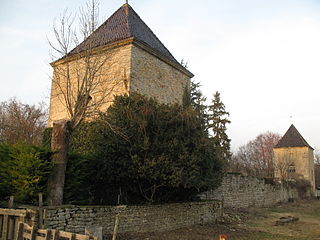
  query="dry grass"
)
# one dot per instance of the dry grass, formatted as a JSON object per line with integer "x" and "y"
{"x": 308, "y": 226}
{"x": 255, "y": 224}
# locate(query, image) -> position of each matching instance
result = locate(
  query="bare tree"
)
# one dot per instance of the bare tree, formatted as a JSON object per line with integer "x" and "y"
{"x": 240, "y": 162}
{"x": 79, "y": 83}
{"x": 317, "y": 167}
{"x": 256, "y": 157}
{"x": 79, "y": 78}
{"x": 22, "y": 122}
{"x": 317, "y": 156}
{"x": 282, "y": 167}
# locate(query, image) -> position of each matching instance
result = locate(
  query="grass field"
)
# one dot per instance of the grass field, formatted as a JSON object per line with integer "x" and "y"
{"x": 251, "y": 224}
{"x": 307, "y": 228}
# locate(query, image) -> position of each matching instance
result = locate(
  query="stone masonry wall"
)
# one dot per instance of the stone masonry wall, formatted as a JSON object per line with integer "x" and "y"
{"x": 244, "y": 191}
{"x": 236, "y": 191}
{"x": 302, "y": 159}
{"x": 113, "y": 79}
{"x": 125, "y": 69}
{"x": 133, "y": 218}
{"x": 155, "y": 78}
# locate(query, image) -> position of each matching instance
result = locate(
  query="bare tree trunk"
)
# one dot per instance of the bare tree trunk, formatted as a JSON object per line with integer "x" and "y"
{"x": 59, "y": 145}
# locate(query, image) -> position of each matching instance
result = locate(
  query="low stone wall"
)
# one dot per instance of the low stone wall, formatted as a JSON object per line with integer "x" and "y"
{"x": 236, "y": 191}
{"x": 133, "y": 218}
{"x": 244, "y": 191}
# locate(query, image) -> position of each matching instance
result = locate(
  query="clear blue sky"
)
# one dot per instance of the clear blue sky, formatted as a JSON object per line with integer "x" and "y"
{"x": 263, "y": 56}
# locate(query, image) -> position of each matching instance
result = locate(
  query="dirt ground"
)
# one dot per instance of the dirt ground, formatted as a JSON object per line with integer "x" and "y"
{"x": 250, "y": 224}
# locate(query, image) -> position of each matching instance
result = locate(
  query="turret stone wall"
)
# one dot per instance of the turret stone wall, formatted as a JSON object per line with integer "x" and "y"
{"x": 113, "y": 79}
{"x": 155, "y": 77}
{"x": 295, "y": 163}
{"x": 293, "y": 158}
{"x": 127, "y": 67}
{"x": 131, "y": 53}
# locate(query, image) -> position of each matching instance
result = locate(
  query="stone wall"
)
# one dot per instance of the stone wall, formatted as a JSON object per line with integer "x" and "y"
{"x": 112, "y": 79}
{"x": 133, "y": 218}
{"x": 236, "y": 191}
{"x": 156, "y": 78}
{"x": 244, "y": 191}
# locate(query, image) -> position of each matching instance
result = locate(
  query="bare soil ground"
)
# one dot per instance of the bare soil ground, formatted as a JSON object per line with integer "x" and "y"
{"x": 250, "y": 224}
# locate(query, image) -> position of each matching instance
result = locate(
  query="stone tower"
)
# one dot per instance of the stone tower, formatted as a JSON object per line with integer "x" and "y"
{"x": 294, "y": 157}
{"x": 135, "y": 58}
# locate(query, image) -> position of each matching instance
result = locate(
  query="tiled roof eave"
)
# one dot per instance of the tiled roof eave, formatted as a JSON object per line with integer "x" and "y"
{"x": 96, "y": 50}
{"x": 278, "y": 147}
{"x": 120, "y": 43}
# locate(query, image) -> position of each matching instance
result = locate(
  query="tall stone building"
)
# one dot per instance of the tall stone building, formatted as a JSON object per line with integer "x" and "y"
{"x": 133, "y": 59}
{"x": 294, "y": 157}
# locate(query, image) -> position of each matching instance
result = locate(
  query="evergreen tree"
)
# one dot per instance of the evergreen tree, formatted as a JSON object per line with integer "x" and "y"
{"x": 197, "y": 100}
{"x": 217, "y": 121}
{"x": 193, "y": 97}
{"x": 24, "y": 171}
{"x": 153, "y": 153}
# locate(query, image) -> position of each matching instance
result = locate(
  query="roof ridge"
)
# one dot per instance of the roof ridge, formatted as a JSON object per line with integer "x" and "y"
{"x": 150, "y": 31}
{"x": 127, "y": 6}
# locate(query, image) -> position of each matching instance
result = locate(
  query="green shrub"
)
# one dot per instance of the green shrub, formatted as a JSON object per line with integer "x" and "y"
{"x": 77, "y": 189}
{"x": 46, "y": 138}
{"x": 144, "y": 151}
{"x": 24, "y": 171}
{"x": 303, "y": 187}
{"x": 5, "y": 187}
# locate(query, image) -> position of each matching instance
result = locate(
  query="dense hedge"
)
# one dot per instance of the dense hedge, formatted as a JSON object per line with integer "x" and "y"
{"x": 140, "y": 151}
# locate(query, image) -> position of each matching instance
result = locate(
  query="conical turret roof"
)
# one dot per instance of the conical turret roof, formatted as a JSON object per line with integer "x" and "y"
{"x": 292, "y": 138}
{"x": 125, "y": 23}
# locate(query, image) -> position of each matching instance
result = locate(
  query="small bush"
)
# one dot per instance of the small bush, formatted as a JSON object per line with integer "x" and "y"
{"x": 303, "y": 187}
{"x": 270, "y": 181}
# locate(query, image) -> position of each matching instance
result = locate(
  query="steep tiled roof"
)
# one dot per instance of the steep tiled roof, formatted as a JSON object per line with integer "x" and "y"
{"x": 292, "y": 138}
{"x": 124, "y": 24}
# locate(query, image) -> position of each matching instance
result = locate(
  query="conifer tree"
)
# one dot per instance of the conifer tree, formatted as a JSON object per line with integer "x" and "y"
{"x": 194, "y": 98}
{"x": 162, "y": 155}
{"x": 217, "y": 126}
